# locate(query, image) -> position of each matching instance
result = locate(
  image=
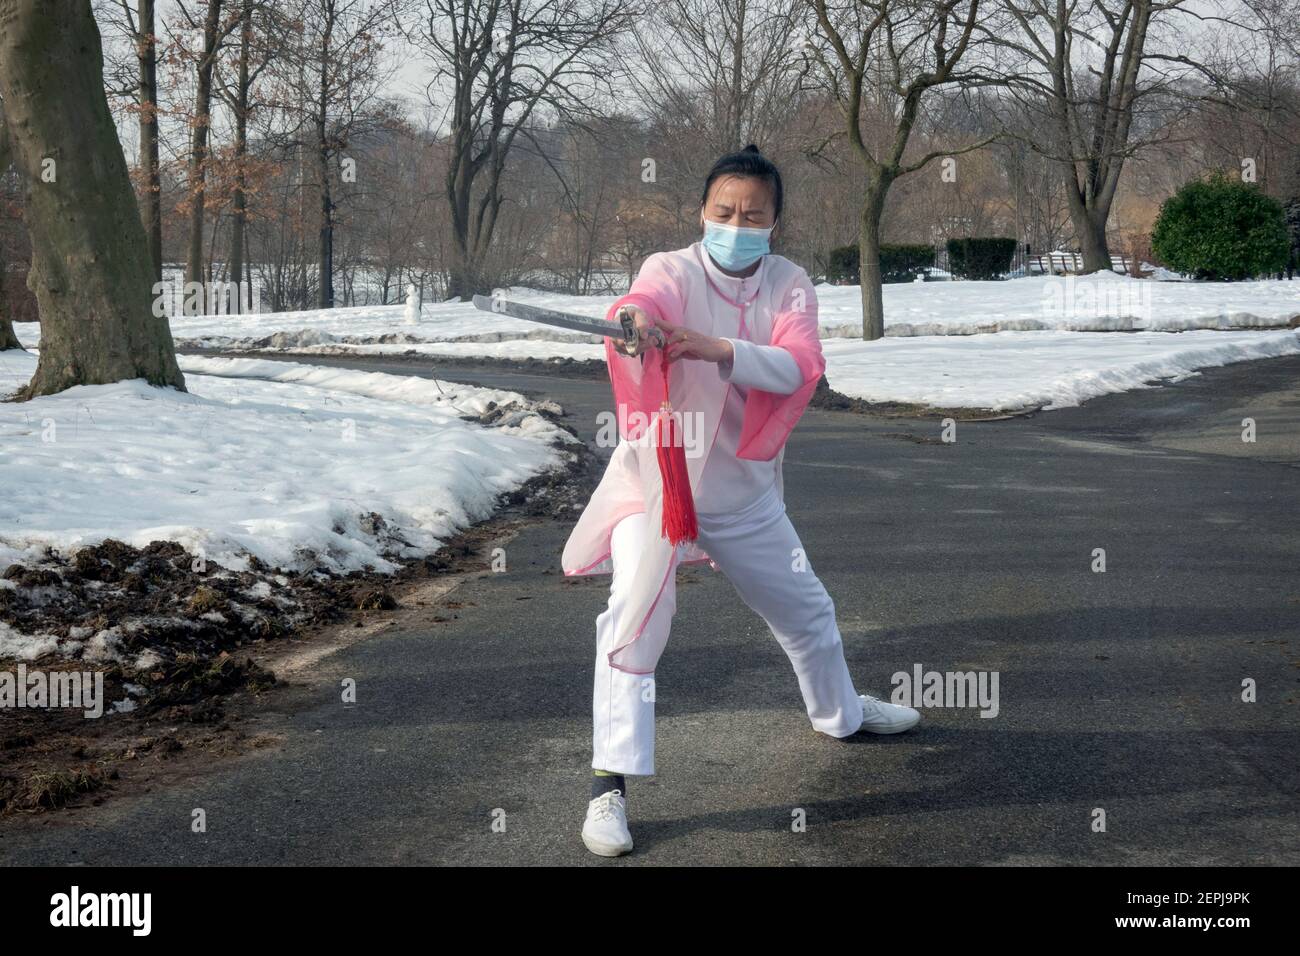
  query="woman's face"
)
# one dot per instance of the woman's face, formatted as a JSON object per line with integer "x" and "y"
{"x": 744, "y": 201}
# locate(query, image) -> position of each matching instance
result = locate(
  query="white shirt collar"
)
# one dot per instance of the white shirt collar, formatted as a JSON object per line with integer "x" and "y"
{"x": 738, "y": 287}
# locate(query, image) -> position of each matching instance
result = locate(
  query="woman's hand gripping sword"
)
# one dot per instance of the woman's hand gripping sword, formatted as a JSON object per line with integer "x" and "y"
{"x": 639, "y": 332}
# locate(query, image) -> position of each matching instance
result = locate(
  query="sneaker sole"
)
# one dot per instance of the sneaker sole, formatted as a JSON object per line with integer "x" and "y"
{"x": 889, "y": 730}
{"x": 605, "y": 849}
{"x": 867, "y": 730}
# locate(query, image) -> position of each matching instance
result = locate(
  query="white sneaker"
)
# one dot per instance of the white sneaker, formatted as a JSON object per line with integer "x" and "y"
{"x": 605, "y": 831}
{"x": 879, "y": 717}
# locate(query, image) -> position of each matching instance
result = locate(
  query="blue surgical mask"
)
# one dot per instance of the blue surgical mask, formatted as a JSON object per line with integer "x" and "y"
{"x": 735, "y": 248}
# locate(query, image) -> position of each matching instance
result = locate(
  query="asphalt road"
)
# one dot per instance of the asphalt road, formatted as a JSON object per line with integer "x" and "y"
{"x": 1118, "y": 691}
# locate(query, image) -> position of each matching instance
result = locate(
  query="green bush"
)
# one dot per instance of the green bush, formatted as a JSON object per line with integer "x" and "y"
{"x": 980, "y": 257}
{"x": 1221, "y": 228}
{"x": 904, "y": 263}
{"x": 898, "y": 263}
{"x": 843, "y": 265}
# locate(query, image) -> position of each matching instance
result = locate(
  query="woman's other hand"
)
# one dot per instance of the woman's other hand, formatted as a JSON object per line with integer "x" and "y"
{"x": 689, "y": 344}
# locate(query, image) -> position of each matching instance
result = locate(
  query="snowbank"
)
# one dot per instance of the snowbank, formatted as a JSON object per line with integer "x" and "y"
{"x": 287, "y": 463}
{"x": 1016, "y": 370}
{"x": 938, "y": 347}
{"x": 1105, "y": 302}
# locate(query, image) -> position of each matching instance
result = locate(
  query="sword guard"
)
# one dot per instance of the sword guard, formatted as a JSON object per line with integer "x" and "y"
{"x": 631, "y": 337}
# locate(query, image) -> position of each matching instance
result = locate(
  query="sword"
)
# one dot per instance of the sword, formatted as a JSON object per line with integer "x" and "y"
{"x": 624, "y": 331}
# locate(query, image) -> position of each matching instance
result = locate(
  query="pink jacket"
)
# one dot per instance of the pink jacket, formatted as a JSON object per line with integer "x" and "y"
{"x": 675, "y": 287}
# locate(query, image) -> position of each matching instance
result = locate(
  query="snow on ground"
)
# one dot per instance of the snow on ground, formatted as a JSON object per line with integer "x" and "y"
{"x": 978, "y": 368}
{"x": 1002, "y": 345}
{"x": 1101, "y": 302}
{"x": 1016, "y": 370}
{"x": 1104, "y": 302}
{"x": 283, "y": 462}
{"x": 1007, "y": 345}
{"x": 464, "y": 400}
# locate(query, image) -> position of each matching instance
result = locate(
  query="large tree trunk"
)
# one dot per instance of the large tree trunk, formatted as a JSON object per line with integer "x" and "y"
{"x": 1093, "y": 243}
{"x": 1089, "y": 221}
{"x": 462, "y": 277}
{"x": 473, "y": 220}
{"x": 147, "y": 55}
{"x": 91, "y": 271}
{"x": 461, "y": 283}
{"x": 472, "y": 234}
{"x": 194, "y": 262}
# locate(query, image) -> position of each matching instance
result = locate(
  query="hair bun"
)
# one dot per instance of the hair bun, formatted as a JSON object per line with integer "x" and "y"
{"x": 751, "y": 148}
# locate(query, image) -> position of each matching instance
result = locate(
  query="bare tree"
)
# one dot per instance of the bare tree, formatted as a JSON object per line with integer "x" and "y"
{"x": 260, "y": 30}
{"x": 503, "y": 63}
{"x": 1084, "y": 70}
{"x": 1036, "y": 189}
{"x": 137, "y": 81}
{"x": 590, "y": 169}
{"x": 331, "y": 78}
{"x": 1251, "y": 108}
{"x": 885, "y": 59}
{"x": 8, "y": 339}
{"x": 91, "y": 272}
{"x": 211, "y": 33}
{"x": 238, "y": 100}
{"x": 285, "y": 264}
{"x": 398, "y": 210}
{"x": 729, "y": 69}
{"x": 711, "y": 76}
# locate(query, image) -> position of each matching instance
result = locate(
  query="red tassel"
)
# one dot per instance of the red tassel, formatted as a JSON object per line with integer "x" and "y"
{"x": 679, "y": 521}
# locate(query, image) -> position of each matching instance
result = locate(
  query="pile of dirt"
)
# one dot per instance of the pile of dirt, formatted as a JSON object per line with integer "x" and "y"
{"x": 145, "y": 607}
{"x": 174, "y": 639}
{"x": 53, "y": 757}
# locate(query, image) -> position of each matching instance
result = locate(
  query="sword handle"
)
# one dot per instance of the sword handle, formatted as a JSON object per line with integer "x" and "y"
{"x": 632, "y": 337}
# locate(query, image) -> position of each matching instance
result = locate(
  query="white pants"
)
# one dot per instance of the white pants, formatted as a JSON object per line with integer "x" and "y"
{"x": 759, "y": 552}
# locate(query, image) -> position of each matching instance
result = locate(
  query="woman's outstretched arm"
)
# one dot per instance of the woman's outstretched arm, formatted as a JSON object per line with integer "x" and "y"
{"x": 769, "y": 367}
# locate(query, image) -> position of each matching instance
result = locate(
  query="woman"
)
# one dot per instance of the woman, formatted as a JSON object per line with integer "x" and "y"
{"x": 732, "y": 329}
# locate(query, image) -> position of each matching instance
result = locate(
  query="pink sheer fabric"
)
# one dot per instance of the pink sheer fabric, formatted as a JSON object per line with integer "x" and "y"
{"x": 769, "y": 418}
{"x": 674, "y": 286}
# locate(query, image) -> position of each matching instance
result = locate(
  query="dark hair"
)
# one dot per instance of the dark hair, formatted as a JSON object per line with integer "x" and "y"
{"x": 748, "y": 162}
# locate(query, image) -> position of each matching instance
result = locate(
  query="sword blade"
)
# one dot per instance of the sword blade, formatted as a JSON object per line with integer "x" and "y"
{"x": 562, "y": 320}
